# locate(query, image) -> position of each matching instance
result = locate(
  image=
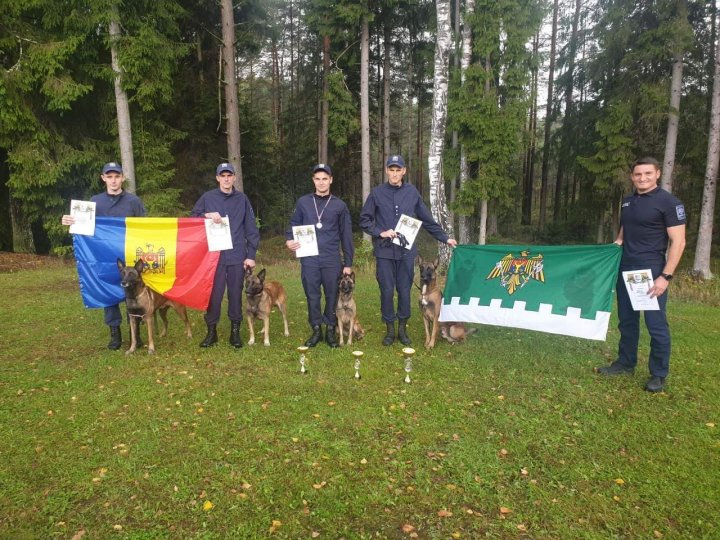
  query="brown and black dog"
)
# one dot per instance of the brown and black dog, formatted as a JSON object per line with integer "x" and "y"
{"x": 346, "y": 310}
{"x": 261, "y": 296}
{"x": 142, "y": 303}
{"x": 430, "y": 303}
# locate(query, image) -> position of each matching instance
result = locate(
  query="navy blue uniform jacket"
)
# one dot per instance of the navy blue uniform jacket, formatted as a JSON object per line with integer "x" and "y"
{"x": 336, "y": 230}
{"x": 382, "y": 210}
{"x": 243, "y": 229}
{"x": 122, "y": 205}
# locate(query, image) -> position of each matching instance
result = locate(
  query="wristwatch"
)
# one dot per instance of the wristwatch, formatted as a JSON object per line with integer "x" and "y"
{"x": 667, "y": 277}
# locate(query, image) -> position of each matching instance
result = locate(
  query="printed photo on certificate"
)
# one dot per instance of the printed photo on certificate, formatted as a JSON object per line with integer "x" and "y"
{"x": 409, "y": 228}
{"x": 84, "y": 214}
{"x": 218, "y": 234}
{"x": 638, "y": 283}
{"x": 306, "y": 235}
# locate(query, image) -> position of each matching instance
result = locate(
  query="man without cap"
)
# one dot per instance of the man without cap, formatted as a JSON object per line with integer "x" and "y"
{"x": 333, "y": 228}
{"x": 113, "y": 202}
{"x": 395, "y": 265}
{"x": 652, "y": 234}
{"x": 226, "y": 201}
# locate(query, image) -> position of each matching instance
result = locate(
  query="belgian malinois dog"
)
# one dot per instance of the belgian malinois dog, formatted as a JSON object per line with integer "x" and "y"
{"x": 142, "y": 303}
{"x": 346, "y": 310}
{"x": 261, "y": 296}
{"x": 430, "y": 303}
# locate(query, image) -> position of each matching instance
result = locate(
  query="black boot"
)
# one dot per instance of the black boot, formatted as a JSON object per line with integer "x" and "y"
{"x": 211, "y": 338}
{"x": 402, "y": 332}
{"x": 115, "y": 338}
{"x": 330, "y": 337}
{"x": 390, "y": 334}
{"x": 315, "y": 338}
{"x": 235, "y": 335}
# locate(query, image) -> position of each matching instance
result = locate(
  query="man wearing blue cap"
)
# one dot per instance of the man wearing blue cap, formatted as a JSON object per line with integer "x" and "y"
{"x": 395, "y": 265}
{"x": 113, "y": 202}
{"x": 226, "y": 201}
{"x": 331, "y": 218}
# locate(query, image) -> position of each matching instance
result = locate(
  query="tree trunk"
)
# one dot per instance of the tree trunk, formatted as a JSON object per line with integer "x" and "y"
{"x": 666, "y": 182}
{"x": 386, "y": 91}
{"x": 528, "y": 186}
{"x": 325, "y": 108}
{"x": 701, "y": 266}
{"x": 123, "y": 111}
{"x": 438, "y": 203}
{"x": 275, "y": 92}
{"x": 365, "y": 109}
{"x": 232, "y": 112}
{"x": 22, "y": 237}
{"x": 482, "y": 228}
{"x": 464, "y": 221}
{"x": 548, "y": 121}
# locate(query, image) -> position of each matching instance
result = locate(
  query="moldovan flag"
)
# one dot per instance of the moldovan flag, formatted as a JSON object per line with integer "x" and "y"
{"x": 174, "y": 250}
{"x": 565, "y": 290}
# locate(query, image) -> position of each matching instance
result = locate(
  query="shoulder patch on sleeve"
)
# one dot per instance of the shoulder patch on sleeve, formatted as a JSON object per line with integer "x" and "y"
{"x": 680, "y": 212}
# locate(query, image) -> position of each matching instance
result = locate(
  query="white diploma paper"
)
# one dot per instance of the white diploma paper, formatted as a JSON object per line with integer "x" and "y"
{"x": 306, "y": 235}
{"x": 409, "y": 228}
{"x": 638, "y": 283}
{"x": 84, "y": 214}
{"x": 218, "y": 234}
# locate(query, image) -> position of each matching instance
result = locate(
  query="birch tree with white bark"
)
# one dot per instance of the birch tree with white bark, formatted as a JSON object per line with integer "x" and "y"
{"x": 465, "y": 58}
{"x": 438, "y": 201}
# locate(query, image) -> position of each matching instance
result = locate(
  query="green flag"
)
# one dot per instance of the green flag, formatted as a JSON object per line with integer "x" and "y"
{"x": 557, "y": 289}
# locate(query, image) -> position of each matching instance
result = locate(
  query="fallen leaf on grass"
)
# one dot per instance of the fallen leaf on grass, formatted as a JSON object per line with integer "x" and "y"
{"x": 363, "y": 461}
{"x": 315, "y": 534}
{"x": 451, "y": 487}
{"x": 504, "y": 510}
{"x": 657, "y": 534}
{"x": 207, "y": 506}
{"x": 320, "y": 485}
{"x": 503, "y": 452}
{"x": 444, "y": 513}
{"x": 456, "y": 534}
{"x": 619, "y": 481}
{"x": 276, "y": 524}
{"x": 331, "y": 403}
{"x": 407, "y": 528}
{"x": 78, "y": 535}
{"x": 521, "y": 527}
{"x": 524, "y": 471}
{"x": 710, "y": 424}
{"x": 118, "y": 527}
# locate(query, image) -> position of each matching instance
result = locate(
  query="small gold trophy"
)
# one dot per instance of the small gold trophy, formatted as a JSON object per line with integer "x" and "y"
{"x": 408, "y": 352}
{"x": 302, "y": 350}
{"x": 357, "y": 355}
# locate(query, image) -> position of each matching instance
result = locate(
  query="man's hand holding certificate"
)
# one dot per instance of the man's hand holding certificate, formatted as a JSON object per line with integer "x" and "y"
{"x": 638, "y": 284}
{"x": 407, "y": 229}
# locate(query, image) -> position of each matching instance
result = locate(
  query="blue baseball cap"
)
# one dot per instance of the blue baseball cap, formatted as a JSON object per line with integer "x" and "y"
{"x": 224, "y": 167}
{"x": 395, "y": 161}
{"x": 112, "y": 166}
{"x": 322, "y": 167}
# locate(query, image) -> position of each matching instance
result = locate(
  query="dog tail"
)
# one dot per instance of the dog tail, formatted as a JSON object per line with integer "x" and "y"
{"x": 470, "y": 331}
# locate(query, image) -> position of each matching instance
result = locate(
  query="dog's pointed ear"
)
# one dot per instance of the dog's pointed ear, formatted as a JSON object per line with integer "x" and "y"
{"x": 352, "y": 275}
{"x": 120, "y": 264}
{"x": 436, "y": 263}
{"x": 139, "y": 264}
{"x": 248, "y": 271}
{"x": 420, "y": 260}
{"x": 261, "y": 275}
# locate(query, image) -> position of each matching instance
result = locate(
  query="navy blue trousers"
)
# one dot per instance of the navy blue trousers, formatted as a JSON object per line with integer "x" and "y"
{"x": 395, "y": 275}
{"x": 230, "y": 277}
{"x": 312, "y": 280}
{"x": 629, "y": 326}
{"x": 113, "y": 317}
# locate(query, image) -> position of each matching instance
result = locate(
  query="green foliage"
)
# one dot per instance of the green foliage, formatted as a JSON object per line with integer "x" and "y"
{"x": 343, "y": 120}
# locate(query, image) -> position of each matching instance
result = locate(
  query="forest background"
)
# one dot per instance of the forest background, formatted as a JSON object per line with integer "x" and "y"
{"x": 172, "y": 87}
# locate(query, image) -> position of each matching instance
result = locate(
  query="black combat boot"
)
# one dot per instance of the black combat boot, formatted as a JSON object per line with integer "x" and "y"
{"x": 115, "y": 338}
{"x": 330, "y": 337}
{"x": 211, "y": 338}
{"x": 402, "y": 332}
{"x": 235, "y": 340}
{"x": 315, "y": 338}
{"x": 390, "y": 334}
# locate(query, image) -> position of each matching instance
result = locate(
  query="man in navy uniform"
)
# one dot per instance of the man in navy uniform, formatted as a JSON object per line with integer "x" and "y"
{"x": 226, "y": 201}
{"x": 395, "y": 265}
{"x": 113, "y": 202}
{"x": 331, "y": 218}
{"x": 652, "y": 233}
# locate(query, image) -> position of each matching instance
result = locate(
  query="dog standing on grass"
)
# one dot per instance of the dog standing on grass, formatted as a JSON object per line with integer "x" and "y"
{"x": 261, "y": 296}
{"x": 346, "y": 310}
{"x": 431, "y": 298}
{"x": 142, "y": 303}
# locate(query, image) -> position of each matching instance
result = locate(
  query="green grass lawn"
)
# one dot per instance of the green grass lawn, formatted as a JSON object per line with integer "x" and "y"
{"x": 510, "y": 435}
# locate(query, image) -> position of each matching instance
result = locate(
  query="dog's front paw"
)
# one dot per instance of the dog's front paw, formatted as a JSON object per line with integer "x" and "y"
{"x": 266, "y": 343}
{"x": 130, "y": 351}
{"x": 287, "y": 334}
{"x": 251, "y": 341}
{"x": 151, "y": 351}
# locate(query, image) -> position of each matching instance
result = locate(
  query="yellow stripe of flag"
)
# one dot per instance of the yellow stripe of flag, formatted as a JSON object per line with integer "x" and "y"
{"x": 155, "y": 241}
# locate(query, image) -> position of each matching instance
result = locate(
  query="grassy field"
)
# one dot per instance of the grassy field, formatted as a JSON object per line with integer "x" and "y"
{"x": 508, "y": 436}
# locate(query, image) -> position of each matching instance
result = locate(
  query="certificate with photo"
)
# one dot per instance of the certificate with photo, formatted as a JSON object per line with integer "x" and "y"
{"x": 307, "y": 236}
{"x": 84, "y": 214}
{"x": 407, "y": 229}
{"x": 218, "y": 234}
{"x": 638, "y": 283}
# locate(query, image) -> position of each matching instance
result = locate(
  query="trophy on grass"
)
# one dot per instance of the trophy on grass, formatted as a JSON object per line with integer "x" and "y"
{"x": 357, "y": 355}
{"x": 302, "y": 349}
{"x": 408, "y": 352}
